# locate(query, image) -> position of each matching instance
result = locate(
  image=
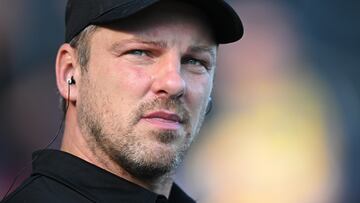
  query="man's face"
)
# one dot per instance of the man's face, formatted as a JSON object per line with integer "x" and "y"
{"x": 144, "y": 95}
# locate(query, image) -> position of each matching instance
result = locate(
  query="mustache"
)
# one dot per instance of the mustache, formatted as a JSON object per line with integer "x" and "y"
{"x": 170, "y": 104}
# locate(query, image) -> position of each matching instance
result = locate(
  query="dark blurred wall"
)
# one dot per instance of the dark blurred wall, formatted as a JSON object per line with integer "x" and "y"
{"x": 31, "y": 32}
{"x": 332, "y": 32}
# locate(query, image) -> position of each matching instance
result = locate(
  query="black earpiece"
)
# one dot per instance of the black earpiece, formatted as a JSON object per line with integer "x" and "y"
{"x": 71, "y": 81}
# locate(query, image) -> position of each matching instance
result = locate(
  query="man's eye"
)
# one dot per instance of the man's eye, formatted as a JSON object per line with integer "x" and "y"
{"x": 195, "y": 62}
{"x": 138, "y": 52}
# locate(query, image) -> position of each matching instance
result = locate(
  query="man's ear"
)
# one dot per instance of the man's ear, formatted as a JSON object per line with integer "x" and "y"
{"x": 67, "y": 68}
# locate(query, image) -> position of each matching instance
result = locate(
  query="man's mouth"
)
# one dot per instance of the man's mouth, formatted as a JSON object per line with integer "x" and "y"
{"x": 164, "y": 119}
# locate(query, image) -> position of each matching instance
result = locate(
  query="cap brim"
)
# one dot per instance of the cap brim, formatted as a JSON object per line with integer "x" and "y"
{"x": 226, "y": 23}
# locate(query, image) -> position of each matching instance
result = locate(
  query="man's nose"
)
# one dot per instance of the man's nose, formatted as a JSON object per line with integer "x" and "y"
{"x": 168, "y": 79}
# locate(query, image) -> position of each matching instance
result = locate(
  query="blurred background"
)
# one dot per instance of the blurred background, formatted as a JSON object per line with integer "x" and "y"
{"x": 285, "y": 123}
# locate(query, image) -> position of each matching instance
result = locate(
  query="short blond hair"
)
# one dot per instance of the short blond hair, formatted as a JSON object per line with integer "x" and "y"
{"x": 81, "y": 44}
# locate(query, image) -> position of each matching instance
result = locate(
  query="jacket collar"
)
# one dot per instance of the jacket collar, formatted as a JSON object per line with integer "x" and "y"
{"x": 94, "y": 182}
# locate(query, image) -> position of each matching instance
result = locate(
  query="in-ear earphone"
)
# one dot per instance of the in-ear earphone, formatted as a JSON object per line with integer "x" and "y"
{"x": 71, "y": 80}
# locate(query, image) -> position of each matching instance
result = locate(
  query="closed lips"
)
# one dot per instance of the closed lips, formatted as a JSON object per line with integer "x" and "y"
{"x": 168, "y": 116}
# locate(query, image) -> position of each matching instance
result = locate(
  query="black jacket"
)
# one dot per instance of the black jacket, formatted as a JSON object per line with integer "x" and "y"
{"x": 59, "y": 177}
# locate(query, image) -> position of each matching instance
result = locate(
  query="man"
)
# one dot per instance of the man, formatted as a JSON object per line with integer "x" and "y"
{"x": 137, "y": 77}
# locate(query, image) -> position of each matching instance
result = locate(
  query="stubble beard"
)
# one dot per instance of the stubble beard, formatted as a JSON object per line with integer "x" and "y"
{"x": 125, "y": 146}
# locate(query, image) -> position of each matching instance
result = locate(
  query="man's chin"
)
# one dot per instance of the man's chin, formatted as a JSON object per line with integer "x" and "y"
{"x": 152, "y": 166}
{"x": 152, "y": 160}
{"x": 169, "y": 138}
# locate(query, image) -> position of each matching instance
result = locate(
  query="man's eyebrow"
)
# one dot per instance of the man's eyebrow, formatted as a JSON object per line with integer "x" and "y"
{"x": 119, "y": 44}
{"x": 200, "y": 49}
{"x": 162, "y": 44}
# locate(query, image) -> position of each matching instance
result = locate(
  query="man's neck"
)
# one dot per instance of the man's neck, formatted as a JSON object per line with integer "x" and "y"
{"x": 74, "y": 143}
{"x": 160, "y": 185}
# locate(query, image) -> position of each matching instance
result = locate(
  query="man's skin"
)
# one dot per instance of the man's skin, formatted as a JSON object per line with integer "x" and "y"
{"x": 142, "y": 99}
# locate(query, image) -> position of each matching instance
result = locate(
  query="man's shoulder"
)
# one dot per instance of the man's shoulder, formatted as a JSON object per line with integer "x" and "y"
{"x": 40, "y": 188}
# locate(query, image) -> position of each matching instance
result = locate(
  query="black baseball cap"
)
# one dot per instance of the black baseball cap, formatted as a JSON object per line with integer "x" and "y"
{"x": 224, "y": 20}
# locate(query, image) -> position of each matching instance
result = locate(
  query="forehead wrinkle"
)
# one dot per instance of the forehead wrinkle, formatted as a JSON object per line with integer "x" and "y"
{"x": 196, "y": 47}
{"x": 152, "y": 38}
{"x": 119, "y": 44}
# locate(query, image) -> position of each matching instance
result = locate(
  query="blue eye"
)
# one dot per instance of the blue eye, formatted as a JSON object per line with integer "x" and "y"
{"x": 138, "y": 52}
{"x": 195, "y": 62}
